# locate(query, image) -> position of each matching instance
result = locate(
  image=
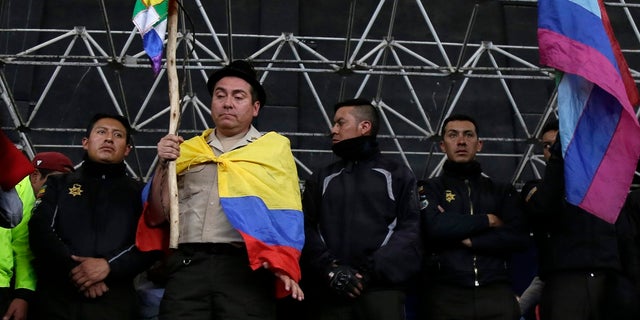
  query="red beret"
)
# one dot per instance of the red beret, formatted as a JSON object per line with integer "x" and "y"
{"x": 55, "y": 161}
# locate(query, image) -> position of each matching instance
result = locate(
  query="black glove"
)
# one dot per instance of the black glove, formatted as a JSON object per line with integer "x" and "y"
{"x": 344, "y": 281}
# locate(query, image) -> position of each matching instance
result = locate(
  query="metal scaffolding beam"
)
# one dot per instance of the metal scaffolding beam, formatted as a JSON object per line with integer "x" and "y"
{"x": 417, "y": 75}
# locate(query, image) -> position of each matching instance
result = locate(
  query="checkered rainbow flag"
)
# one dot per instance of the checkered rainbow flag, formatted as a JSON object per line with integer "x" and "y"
{"x": 150, "y": 18}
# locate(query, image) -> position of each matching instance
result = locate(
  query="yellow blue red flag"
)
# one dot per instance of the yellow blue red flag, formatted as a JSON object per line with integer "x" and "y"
{"x": 260, "y": 194}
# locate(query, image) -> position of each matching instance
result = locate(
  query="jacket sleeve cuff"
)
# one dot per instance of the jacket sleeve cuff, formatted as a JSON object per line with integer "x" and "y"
{"x": 24, "y": 294}
{"x": 114, "y": 269}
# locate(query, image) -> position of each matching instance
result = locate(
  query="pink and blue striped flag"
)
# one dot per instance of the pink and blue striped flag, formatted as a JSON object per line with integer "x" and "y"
{"x": 599, "y": 130}
{"x": 150, "y": 18}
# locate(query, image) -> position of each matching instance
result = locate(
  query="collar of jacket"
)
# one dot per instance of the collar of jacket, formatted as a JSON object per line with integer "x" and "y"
{"x": 355, "y": 149}
{"x": 462, "y": 170}
{"x": 96, "y": 169}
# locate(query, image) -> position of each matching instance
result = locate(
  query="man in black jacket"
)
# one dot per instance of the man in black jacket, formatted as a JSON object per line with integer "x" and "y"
{"x": 579, "y": 255}
{"x": 471, "y": 225}
{"x": 361, "y": 225}
{"x": 82, "y": 232}
{"x": 530, "y": 297}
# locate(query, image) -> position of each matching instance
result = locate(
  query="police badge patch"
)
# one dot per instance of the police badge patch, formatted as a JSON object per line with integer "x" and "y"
{"x": 449, "y": 195}
{"x": 76, "y": 190}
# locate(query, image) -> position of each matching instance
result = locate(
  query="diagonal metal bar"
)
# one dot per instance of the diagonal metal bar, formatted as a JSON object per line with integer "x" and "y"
{"x": 54, "y": 75}
{"x": 366, "y": 31}
{"x": 107, "y": 86}
{"x": 391, "y": 131}
{"x": 214, "y": 35}
{"x": 507, "y": 91}
{"x": 312, "y": 87}
{"x": 7, "y": 97}
{"x": 433, "y": 32}
{"x": 414, "y": 97}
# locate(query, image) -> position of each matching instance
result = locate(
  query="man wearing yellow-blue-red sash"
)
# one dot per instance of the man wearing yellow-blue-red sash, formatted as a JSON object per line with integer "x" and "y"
{"x": 240, "y": 212}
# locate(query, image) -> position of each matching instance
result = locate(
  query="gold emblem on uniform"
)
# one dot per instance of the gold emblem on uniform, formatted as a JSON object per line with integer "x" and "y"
{"x": 75, "y": 190}
{"x": 41, "y": 192}
{"x": 449, "y": 196}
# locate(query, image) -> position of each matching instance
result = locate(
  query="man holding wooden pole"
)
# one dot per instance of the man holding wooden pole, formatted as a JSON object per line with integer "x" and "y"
{"x": 240, "y": 219}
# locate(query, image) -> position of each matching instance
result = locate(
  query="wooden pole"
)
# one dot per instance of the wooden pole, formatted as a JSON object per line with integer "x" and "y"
{"x": 174, "y": 100}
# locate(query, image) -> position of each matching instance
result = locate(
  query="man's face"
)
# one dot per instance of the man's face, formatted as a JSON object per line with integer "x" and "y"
{"x": 460, "y": 141}
{"x": 232, "y": 107}
{"x": 107, "y": 142}
{"x": 548, "y": 138}
{"x": 38, "y": 179}
{"x": 346, "y": 126}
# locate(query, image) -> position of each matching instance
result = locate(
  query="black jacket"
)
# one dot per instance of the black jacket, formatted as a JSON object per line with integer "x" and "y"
{"x": 568, "y": 238}
{"x": 455, "y": 207}
{"x": 628, "y": 231}
{"x": 92, "y": 212}
{"x": 363, "y": 212}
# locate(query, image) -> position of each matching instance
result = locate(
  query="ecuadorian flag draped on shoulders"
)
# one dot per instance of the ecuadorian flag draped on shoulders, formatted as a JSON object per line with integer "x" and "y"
{"x": 259, "y": 193}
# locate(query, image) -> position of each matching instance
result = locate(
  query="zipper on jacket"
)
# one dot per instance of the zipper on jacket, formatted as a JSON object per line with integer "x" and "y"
{"x": 475, "y": 258}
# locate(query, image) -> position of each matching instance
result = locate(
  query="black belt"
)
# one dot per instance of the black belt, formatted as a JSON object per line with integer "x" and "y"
{"x": 213, "y": 248}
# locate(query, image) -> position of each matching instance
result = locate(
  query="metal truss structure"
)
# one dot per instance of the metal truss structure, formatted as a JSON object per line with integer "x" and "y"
{"x": 419, "y": 61}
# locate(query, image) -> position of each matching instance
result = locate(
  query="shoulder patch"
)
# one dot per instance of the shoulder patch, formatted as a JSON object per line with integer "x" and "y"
{"x": 41, "y": 192}
{"x": 530, "y": 194}
{"x": 422, "y": 194}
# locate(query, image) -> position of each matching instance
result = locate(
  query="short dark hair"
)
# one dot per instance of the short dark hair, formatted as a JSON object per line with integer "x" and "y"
{"x": 459, "y": 117}
{"x": 99, "y": 116}
{"x": 365, "y": 111}
{"x": 552, "y": 125}
{"x": 244, "y": 70}
{"x": 46, "y": 172}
